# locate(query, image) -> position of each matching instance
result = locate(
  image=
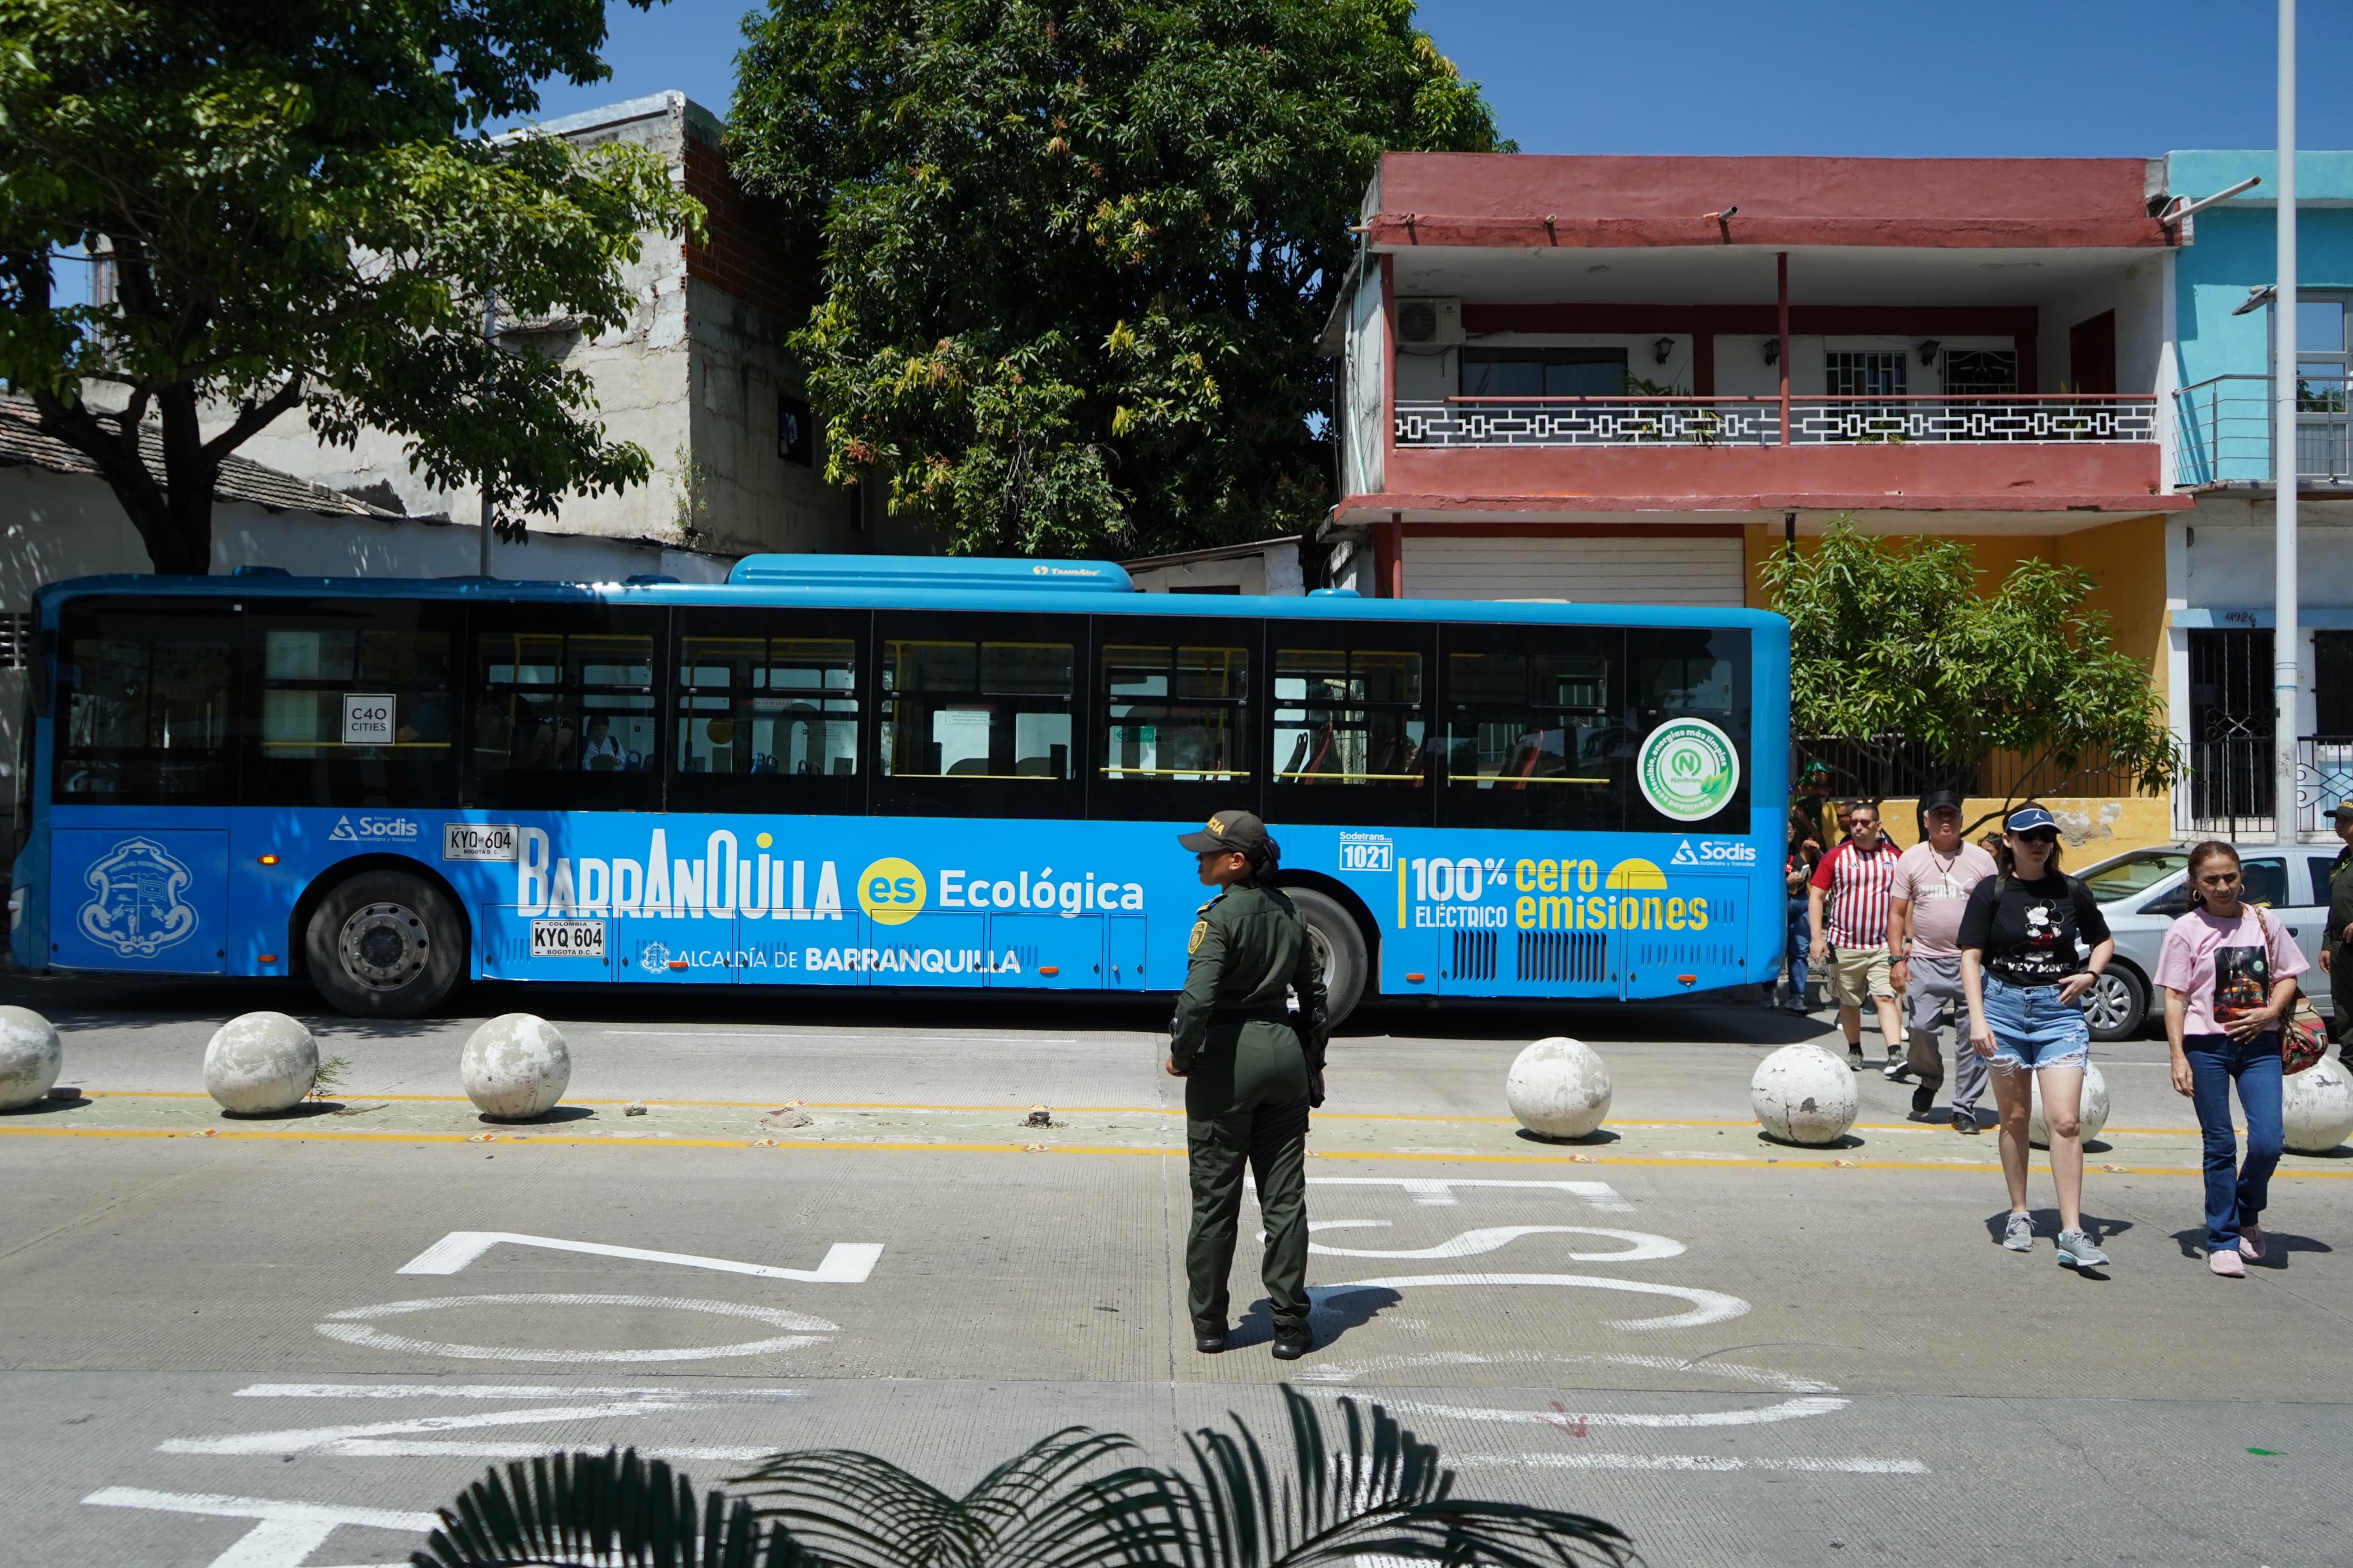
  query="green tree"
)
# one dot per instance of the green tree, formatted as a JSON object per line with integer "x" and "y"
{"x": 1892, "y": 646}
{"x": 303, "y": 208}
{"x": 1079, "y": 252}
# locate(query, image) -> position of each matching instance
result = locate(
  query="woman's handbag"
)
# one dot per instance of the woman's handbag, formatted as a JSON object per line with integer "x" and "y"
{"x": 2303, "y": 1039}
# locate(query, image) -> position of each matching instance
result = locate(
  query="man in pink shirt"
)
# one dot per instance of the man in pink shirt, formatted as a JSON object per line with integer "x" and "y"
{"x": 1924, "y": 905}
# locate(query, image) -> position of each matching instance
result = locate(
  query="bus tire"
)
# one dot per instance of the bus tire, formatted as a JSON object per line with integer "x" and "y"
{"x": 384, "y": 945}
{"x": 1339, "y": 947}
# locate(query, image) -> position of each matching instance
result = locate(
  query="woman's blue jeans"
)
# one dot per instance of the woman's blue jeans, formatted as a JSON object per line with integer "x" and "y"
{"x": 2235, "y": 1194}
{"x": 1800, "y": 936}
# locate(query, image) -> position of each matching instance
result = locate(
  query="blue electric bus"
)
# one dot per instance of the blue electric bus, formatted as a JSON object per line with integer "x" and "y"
{"x": 871, "y": 772}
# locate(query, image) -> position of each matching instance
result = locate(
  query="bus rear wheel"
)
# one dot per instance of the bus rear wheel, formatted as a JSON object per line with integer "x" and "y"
{"x": 384, "y": 944}
{"x": 1339, "y": 947}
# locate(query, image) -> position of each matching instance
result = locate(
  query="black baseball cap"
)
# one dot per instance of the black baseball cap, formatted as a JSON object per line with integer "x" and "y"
{"x": 1939, "y": 797}
{"x": 2339, "y": 812}
{"x": 1229, "y": 830}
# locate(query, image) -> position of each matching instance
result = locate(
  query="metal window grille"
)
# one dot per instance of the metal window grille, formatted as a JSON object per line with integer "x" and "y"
{"x": 15, "y": 639}
{"x": 1873, "y": 373}
{"x": 1981, "y": 371}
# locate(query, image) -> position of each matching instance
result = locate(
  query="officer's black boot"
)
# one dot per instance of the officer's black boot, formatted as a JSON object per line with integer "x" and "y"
{"x": 1208, "y": 1341}
{"x": 1292, "y": 1341}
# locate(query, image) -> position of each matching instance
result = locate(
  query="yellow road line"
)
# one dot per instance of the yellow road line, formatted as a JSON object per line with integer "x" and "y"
{"x": 1753, "y": 1162}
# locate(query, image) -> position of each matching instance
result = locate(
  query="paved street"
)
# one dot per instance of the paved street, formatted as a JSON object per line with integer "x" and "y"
{"x": 281, "y": 1343}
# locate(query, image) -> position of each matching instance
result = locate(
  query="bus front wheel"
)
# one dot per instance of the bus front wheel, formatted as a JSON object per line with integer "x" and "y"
{"x": 1339, "y": 948}
{"x": 383, "y": 945}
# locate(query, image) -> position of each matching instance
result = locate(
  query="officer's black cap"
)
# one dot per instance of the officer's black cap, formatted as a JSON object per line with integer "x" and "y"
{"x": 1229, "y": 830}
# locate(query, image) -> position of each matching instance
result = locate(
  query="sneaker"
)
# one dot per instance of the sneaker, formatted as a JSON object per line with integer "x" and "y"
{"x": 1208, "y": 1341}
{"x": 1924, "y": 1096}
{"x": 2018, "y": 1234}
{"x": 1898, "y": 1070}
{"x": 1966, "y": 1122}
{"x": 1854, "y": 1057}
{"x": 2251, "y": 1243}
{"x": 1292, "y": 1341}
{"x": 2077, "y": 1250}
{"x": 2226, "y": 1262}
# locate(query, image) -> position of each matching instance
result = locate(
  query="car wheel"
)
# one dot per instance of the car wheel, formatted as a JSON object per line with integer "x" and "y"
{"x": 1339, "y": 948}
{"x": 2115, "y": 1005}
{"x": 384, "y": 945}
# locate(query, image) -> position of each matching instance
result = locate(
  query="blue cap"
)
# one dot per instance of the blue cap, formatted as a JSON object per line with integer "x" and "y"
{"x": 2027, "y": 818}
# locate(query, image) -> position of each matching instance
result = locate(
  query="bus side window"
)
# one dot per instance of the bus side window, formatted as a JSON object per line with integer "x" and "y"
{"x": 978, "y": 714}
{"x": 1530, "y": 726}
{"x": 357, "y": 705}
{"x": 1174, "y": 722}
{"x": 1697, "y": 674}
{"x": 563, "y": 708}
{"x": 145, "y": 706}
{"x": 753, "y": 705}
{"x": 1348, "y": 715}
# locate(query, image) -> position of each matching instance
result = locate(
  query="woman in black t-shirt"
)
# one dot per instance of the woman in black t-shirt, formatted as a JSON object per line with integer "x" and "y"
{"x": 2025, "y": 986}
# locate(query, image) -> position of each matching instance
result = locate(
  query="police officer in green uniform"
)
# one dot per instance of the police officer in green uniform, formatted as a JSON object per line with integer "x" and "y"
{"x": 2338, "y": 938}
{"x": 1251, "y": 1071}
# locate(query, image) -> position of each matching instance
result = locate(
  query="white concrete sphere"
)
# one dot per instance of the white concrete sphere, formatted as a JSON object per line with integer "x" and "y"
{"x": 30, "y": 1057}
{"x": 260, "y": 1062}
{"x": 2092, "y": 1112}
{"x": 1804, "y": 1095}
{"x": 2317, "y": 1107}
{"x": 515, "y": 1067}
{"x": 1559, "y": 1088}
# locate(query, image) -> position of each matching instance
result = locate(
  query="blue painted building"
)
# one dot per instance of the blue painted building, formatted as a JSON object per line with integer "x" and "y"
{"x": 2217, "y": 369}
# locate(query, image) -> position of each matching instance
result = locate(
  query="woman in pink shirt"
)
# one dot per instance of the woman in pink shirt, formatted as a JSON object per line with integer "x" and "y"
{"x": 2229, "y": 972}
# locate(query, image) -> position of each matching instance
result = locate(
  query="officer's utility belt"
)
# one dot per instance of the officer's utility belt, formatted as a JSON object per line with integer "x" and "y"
{"x": 1271, "y": 1013}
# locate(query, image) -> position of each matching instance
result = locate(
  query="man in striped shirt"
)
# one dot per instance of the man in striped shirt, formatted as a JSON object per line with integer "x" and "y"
{"x": 1848, "y": 899}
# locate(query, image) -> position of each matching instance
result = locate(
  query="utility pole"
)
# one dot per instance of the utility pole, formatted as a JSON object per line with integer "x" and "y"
{"x": 2287, "y": 680}
{"x": 490, "y": 336}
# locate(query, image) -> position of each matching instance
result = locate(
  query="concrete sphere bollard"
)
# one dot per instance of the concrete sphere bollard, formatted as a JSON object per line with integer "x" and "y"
{"x": 260, "y": 1063}
{"x": 2092, "y": 1113}
{"x": 1804, "y": 1095}
{"x": 2317, "y": 1107}
{"x": 515, "y": 1067}
{"x": 30, "y": 1057}
{"x": 1559, "y": 1088}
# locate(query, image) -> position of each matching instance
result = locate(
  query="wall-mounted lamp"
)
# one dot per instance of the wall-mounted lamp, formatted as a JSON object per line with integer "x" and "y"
{"x": 1928, "y": 351}
{"x": 1772, "y": 351}
{"x": 1663, "y": 348}
{"x": 2261, "y": 295}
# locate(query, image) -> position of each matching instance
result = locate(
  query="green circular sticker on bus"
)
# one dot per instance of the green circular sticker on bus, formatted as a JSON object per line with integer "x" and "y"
{"x": 1688, "y": 769}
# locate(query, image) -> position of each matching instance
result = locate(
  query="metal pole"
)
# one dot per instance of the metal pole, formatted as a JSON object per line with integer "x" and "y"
{"x": 2286, "y": 682}
{"x": 490, "y": 336}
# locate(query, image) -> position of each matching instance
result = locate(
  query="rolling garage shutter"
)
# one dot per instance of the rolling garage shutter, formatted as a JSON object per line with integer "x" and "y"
{"x": 1644, "y": 569}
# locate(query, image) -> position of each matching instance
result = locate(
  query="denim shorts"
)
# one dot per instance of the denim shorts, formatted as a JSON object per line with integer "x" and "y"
{"x": 2032, "y": 1028}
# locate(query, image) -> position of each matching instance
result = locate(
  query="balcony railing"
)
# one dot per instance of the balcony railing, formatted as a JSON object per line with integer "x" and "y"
{"x": 2224, "y": 430}
{"x": 2227, "y": 791}
{"x": 2001, "y": 419}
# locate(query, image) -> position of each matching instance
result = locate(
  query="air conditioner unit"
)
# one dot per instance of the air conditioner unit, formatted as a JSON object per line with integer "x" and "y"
{"x": 1430, "y": 323}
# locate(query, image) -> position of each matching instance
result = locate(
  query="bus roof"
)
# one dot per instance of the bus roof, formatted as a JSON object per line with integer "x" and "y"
{"x": 911, "y": 583}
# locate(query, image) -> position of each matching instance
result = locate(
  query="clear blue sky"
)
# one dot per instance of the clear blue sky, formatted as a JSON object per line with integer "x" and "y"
{"x": 1891, "y": 78}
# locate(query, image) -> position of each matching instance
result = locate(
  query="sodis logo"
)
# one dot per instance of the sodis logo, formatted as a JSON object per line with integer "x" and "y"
{"x": 891, "y": 892}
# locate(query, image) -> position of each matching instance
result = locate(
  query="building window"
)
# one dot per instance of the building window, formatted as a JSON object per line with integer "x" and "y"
{"x": 1873, "y": 372}
{"x": 796, "y": 430}
{"x": 1981, "y": 371}
{"x": 1544, "y": 373}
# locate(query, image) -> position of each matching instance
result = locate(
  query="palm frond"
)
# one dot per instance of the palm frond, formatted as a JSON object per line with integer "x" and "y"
{"x": 1378, "y": 1492}
{"x": 601, "y": 1511}
{"x": 859, "y": 1511}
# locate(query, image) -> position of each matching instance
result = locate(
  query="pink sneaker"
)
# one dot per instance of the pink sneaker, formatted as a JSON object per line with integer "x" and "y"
{"x": 2226, "y": 1263}
{"x": 2251, "y": 1243}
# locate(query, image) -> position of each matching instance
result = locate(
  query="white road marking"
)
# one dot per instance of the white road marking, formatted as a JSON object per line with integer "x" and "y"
{"x": 488, "y": 1391}
{"x": 1707, "y": 1306}
{"x": 354, "y": 1327}
{"x": 1643, "y": 1247}
{"x": 284, "y": 1534}
{"x": 846, "y": 1262}
{"x": 1767, "y": 1415}
{"x": 343, "y": 1440}
{"x": 1438, "y": 1192}
{"x": 1764, "y": 1376}
{"x": 1703, "y": 1462}
{"x": 823, "y": 1034}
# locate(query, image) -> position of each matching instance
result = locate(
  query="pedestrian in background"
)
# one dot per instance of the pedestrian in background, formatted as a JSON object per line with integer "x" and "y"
{"x": 1933, "y": 882}
{"x": 1804, "y": 854}
{"x": 2229, "y": 976}
{"x": 1250, "y": 1076}
{"x": 2335, "y": 941}
{"x": 1847, "y": 904}
{"x": 2025, "y": 986}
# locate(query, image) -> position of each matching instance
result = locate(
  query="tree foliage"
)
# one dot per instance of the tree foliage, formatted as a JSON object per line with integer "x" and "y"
{"x": 302, "y": 209}
{"x": 1892, "y": 644}
{"x": 1079, "y": 252}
